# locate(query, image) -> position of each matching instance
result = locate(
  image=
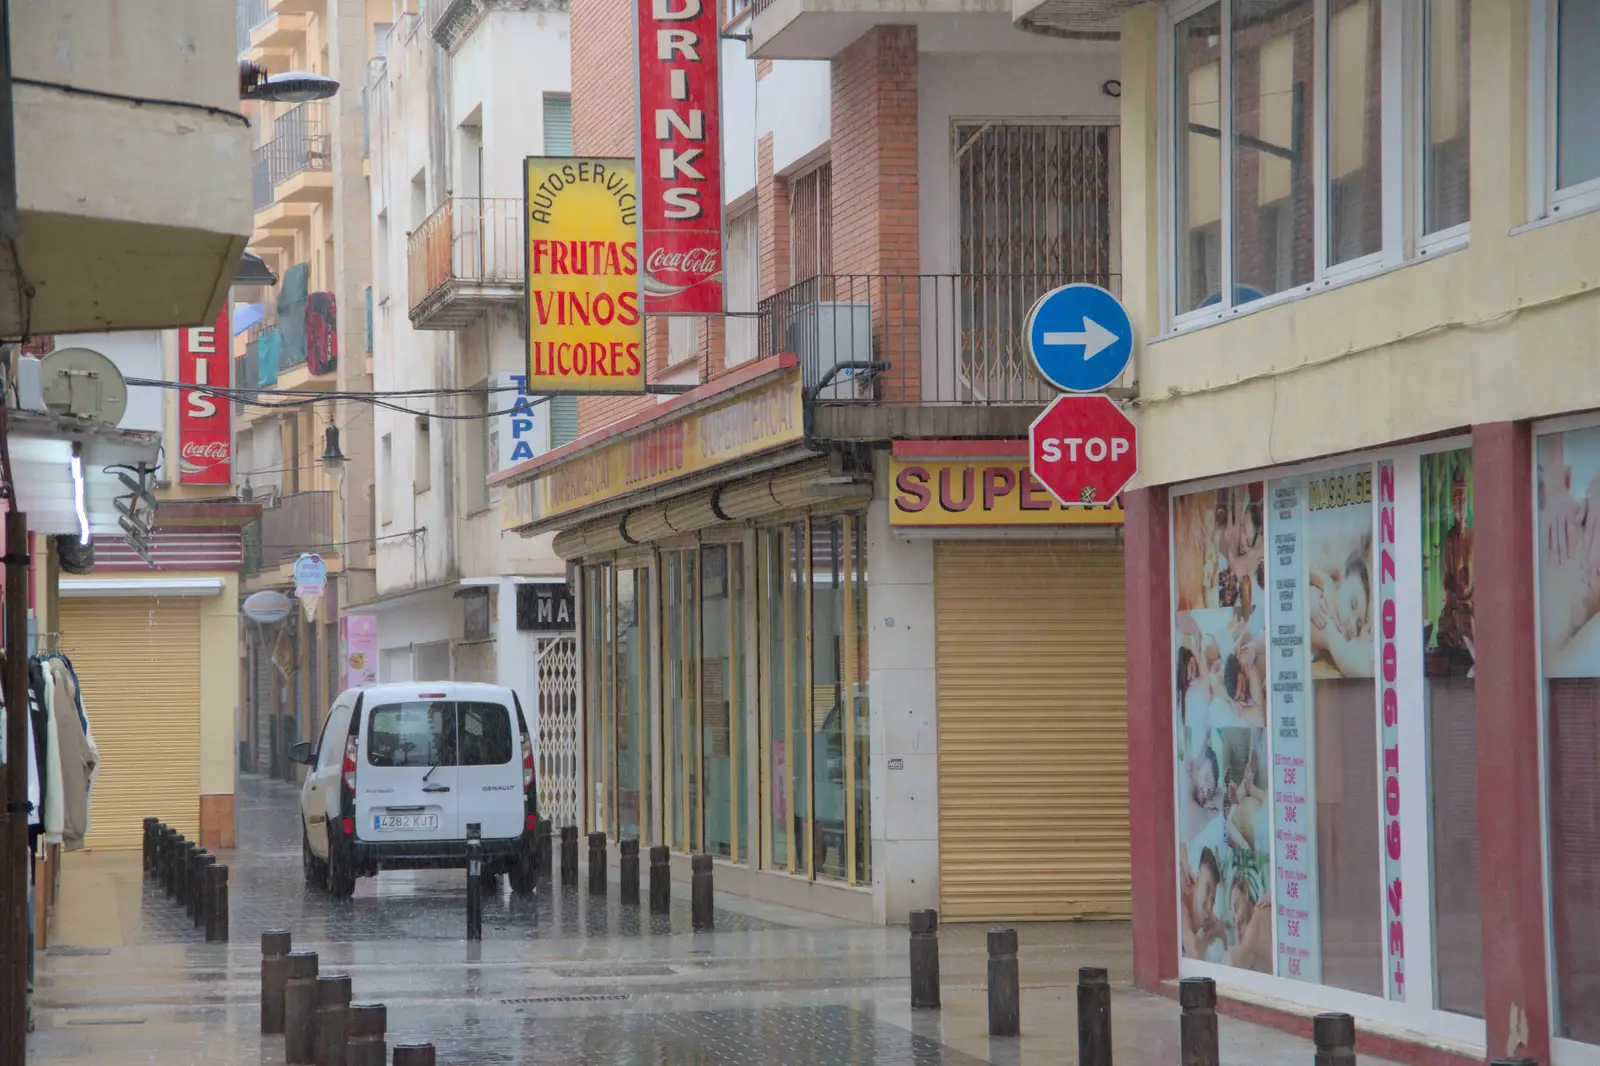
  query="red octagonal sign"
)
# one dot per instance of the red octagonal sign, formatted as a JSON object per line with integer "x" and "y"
{"x": 1083, "y": 449}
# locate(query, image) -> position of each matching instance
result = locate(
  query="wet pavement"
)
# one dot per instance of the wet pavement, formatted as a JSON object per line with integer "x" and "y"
{"x": 558, "y": 979}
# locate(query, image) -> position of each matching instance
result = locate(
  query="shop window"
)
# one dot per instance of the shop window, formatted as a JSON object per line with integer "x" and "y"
{"x": 1448, "y": 687}
{"x": 633, "y": 705}
{"x": 723, "y": 717}
{"x": 599, "y": 696}
{"x": 1568, "y": 486}
{"x": 828, "y": 708}
{"x": 775, "y": 645}
{"x": 856, "y": 671}
{"x": 681, "y": 725}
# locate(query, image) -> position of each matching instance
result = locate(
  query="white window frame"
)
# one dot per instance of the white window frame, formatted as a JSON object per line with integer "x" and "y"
{"x": 1544, "y": 199}
{"x": 1402, "y": 94}
{"x": 1419, "y": 1011}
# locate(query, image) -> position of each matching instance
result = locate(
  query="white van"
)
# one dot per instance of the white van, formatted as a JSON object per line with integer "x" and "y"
{"x": 401, "y": 770}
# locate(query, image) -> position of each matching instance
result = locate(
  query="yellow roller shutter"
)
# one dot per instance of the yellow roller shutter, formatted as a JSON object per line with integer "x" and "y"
{"x": 138, "y": 662}
{"x": 1033, "y": 741}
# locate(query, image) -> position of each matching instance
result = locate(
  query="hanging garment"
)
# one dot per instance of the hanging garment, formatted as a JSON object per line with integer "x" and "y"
{"x": 322, "y": 333}
{"x": 35, "y": 794}
{"x": 53, "y": 796}
{"x": 78, "y": 756}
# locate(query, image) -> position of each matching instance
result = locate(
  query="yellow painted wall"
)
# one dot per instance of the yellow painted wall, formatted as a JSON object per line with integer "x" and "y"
{"x": 220, "y": 671}
{"x": 1506, "y": 328}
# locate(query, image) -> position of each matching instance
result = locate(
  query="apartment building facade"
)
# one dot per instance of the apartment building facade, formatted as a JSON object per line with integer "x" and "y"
{"x": 832, "y": 631}
{"x": 306, "y": 337}
{"x": 465, "y": 93}
{"x": 1360, "y": 254}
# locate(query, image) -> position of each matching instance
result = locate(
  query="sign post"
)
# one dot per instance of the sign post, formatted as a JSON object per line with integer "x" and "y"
{"x": 1083, "y": 449}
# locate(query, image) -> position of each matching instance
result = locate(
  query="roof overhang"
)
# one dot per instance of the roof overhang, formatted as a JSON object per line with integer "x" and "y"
{"x": 41, "y": 469}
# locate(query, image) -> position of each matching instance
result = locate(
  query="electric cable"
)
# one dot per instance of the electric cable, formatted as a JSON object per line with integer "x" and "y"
{"x": 309, "y": 397}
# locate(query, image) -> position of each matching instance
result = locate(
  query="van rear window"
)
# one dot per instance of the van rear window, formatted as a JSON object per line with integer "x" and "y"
{"x": 439, "y": 733}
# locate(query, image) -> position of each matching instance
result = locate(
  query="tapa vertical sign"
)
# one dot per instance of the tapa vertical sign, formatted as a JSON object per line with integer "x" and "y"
{"x": 585, "y": 332}
{"x": 205, "y": 420}
{"x": 680, "y": 151}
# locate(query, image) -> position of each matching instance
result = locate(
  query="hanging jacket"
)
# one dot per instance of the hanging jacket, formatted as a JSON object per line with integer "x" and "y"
{"x": 54, "y": 798}
{"x": 78, "y": 756}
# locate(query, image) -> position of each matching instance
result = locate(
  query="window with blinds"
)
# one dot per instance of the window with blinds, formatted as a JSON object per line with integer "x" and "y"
{"x": 558, "y": 141}
{"x": 811, "y": 224}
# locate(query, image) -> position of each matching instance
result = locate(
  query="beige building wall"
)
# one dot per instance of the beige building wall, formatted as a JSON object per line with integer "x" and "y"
{"x": 1500, "y": 329}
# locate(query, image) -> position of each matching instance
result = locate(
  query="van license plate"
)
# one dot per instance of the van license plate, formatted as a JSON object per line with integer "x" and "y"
{"x": 405, "y": 821}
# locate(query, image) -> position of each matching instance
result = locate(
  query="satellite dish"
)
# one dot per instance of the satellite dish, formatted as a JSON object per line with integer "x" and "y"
{"x": 83, "y": 383}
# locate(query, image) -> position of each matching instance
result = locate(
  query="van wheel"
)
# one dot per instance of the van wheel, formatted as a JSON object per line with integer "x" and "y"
{"x": 341, "y": 879}
{"x": 315, "y": 868}
{"x": 524, "y": 874}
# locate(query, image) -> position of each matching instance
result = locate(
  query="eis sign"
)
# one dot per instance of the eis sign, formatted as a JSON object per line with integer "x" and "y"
{"x": 205, "y": 423}
{"x": 680, "y": 156}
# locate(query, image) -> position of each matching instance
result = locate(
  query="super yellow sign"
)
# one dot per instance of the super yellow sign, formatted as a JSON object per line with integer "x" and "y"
{"x": 766, "y": 417}
{"x": 981, "y": 492}
{"x": 585, "y": 331}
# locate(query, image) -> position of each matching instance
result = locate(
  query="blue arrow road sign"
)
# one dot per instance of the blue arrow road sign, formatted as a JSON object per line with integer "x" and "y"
{"x": 1080, "y": 337}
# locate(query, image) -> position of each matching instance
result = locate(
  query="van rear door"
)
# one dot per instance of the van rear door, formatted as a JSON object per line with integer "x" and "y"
{"x": 406, "y": 776}
{"x": 490, "y": 775}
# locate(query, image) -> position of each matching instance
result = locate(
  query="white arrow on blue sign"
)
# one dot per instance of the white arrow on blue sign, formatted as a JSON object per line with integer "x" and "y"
{"x": 1079, "y": 337}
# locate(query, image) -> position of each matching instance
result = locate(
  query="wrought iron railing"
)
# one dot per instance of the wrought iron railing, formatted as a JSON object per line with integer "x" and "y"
{"x": 477, "y": 240}
{"x": 914, "y": 338}
{"x": 261, "y": 178}
{"x": 300, "y": 142}
{"x": 300, "y": 522}
{"x": 247, "y": 15}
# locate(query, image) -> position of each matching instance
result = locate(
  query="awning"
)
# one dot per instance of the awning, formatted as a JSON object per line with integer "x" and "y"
{"x": 133, "y": 586}
{"x": 41, "y": 467}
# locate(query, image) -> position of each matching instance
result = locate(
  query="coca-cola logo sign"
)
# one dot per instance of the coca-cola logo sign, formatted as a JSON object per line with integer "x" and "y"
{"x": 215, "y": 451}
{"x": 696, "y": 262}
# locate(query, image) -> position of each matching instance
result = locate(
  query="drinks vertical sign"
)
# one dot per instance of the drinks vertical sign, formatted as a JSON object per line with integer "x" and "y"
{"x": 680, "y": 157}
{"x": 205, "y": 421}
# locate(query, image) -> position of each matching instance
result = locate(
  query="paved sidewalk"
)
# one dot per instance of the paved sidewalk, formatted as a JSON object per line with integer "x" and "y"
{"x": 561, "y": 979}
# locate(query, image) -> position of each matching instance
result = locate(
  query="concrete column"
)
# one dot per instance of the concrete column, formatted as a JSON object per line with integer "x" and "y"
{"x": 1152, "y": 840}
{"x": 1516, "y": 996}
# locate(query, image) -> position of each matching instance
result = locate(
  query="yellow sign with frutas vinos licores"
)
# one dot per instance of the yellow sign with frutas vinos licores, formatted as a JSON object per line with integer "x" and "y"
{"x": 585, "y": 329}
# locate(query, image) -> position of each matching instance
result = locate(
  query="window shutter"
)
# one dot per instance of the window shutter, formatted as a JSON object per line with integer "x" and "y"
{"x": 558, "y": 125}
{"x": 563, "y": 420}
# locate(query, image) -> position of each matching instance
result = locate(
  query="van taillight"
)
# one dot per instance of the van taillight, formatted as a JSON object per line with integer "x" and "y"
{"x": 527, "y": 763}
{"x": 350, "y": 764}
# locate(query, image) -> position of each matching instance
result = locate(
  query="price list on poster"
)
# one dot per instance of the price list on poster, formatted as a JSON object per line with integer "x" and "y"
{"x": 1294, "y": 845}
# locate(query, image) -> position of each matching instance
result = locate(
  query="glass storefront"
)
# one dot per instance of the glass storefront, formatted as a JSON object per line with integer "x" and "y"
{"x": 762, "y": 746}
{"x": 1307, "y": 707}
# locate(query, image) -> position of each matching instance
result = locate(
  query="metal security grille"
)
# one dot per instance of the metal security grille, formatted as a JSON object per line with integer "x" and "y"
{"x": 1036, "y": 211}
{"x": 811, "y": 224}
{"x": 559, "y": 772}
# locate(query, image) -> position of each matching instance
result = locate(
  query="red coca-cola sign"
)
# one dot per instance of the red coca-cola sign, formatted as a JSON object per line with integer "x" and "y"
{"x": 205, "y": 420}
{"x": 680, "y": 158}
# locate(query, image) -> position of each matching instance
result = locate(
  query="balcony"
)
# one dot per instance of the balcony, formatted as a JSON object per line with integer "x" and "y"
{"x": 821, "y": 29}
{"x": 299, "y": 522}
{"x": 465, "y": 257}
{"x": 261, "y": 179}
{"x": 247, "y": 15}
{"x": 300, "y": 155}
{"x": 888, "y": 356}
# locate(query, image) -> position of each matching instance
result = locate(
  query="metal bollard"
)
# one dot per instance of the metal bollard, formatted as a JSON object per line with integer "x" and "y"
{"x": 701, "y": 915}
{"x": 149, "y": 843}
{"x": 1335, "y": 1037}
{"x": 275, "y": 944}
{"x": 474, "y": 881}
{"x": 630, "y": 872}
{"x": 196, "y": 904}
{"x": 369, "y": 1025}
{"x": 924, "y": 960}
{"x": 333, "y": 1019}
{"x": 1197, "y": 1026}
{"x": 597, "y": 864}
{"x": 547, "y": 842}
{"x": 1094, "y": 1017}
{"x": 168, "y": 860}
{"x": 216, "y": 891}
{"x": 660, "y": 879}
{"x": 569, "y": 855}
{"x": 413, "y": 1055}
{"x": 299, "y": 1007}
{"x": 186, "y": 868}
{"x": 1005, "y": 990}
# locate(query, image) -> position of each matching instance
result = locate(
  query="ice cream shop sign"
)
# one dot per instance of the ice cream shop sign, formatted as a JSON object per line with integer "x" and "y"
{"x": 205, "y": 424}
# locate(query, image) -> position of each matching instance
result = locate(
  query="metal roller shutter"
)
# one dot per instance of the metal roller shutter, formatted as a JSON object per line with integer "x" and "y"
{"x": 1033, "y": 740}
{"x": 138, "y": 662}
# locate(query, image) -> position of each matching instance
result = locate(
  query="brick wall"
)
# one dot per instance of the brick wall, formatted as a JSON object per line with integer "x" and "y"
{"x": 874, "y": 157}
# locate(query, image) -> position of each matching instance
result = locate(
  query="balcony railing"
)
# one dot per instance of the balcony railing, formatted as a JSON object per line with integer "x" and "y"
{"x": 300, "y": 142}
{"x": 468, "y": 253}
{"x": 248, "y": 14}
{"x": 914, "y": 339}
{"x": 301, "y": 522}
{"x": 261, "y": 178}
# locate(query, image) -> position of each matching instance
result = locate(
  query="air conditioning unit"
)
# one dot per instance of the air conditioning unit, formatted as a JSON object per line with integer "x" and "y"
{"x": 825, "y": 334}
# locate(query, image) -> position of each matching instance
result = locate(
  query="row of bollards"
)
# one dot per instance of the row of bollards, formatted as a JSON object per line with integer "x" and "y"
{"x": 190, "y": 876}
{"x": 701, "y": 899}
{"x": 314, "y": 1013}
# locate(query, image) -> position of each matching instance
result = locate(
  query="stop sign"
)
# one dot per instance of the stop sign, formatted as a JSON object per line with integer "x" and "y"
{"x": 1083, "y": 449}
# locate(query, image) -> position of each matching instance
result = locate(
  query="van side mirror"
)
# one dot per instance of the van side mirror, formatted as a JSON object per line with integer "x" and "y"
{"x": 300, "y": 753}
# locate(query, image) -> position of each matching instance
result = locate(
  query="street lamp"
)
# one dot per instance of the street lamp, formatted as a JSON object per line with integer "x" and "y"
{"x": 291, "y": 87}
